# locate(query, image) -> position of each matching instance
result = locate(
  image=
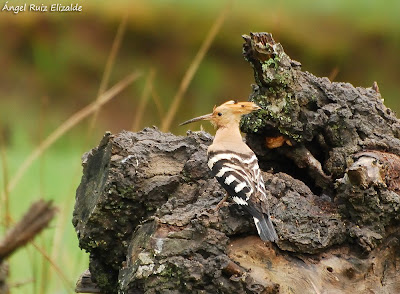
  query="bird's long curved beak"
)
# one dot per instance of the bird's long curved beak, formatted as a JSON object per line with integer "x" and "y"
{"x": 203, "y": 117}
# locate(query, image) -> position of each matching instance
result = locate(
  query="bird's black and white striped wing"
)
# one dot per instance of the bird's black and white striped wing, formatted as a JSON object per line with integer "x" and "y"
{"x": 240, "y": 176}
{"x": 265, "y": 227}
{"x": 230, "y": 169}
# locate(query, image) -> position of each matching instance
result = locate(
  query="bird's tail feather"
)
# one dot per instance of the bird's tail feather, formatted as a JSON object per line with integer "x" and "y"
{"x": 265, "y": 228}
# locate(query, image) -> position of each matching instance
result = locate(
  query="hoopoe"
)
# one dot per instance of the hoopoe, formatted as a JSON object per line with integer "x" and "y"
{"x": 235, "y": 165}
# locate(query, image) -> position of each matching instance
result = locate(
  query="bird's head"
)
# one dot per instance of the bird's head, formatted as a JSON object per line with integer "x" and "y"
{"x": 226, "y": 114}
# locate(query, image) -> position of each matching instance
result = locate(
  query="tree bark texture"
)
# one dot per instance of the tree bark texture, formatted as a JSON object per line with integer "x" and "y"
{"x": 145, "y": 208}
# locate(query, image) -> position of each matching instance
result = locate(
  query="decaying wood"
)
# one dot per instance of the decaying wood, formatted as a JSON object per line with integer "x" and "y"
{"x": 85, "y": 284}
{"x": 145, "y": 208}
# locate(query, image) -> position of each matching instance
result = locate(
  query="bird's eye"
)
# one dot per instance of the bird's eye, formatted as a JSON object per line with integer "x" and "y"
{"x": 219, "y": 113}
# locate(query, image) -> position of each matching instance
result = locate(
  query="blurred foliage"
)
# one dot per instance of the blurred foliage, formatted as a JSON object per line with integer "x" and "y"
{"x": 62, "y": 55}
{"x": 52, "y": 64}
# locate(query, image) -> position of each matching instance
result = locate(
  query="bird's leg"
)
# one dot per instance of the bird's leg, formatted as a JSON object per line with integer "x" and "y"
{"x": 221, "y": 202}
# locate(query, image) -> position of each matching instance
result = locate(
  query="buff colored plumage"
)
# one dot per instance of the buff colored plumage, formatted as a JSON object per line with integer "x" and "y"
{"x": 235, "y": 165}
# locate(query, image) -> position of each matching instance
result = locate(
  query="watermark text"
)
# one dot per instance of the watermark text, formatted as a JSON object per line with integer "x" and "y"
{"x": 56, "y": 7}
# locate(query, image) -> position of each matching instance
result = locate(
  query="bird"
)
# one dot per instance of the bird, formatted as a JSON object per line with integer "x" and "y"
{"x": 235, "y": 166}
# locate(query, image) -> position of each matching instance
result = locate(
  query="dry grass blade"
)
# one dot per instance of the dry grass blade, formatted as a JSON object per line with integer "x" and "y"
{"x": 41, "y": 135}
{"x": 44, "y": 101}
{"x": 143, "y": 100}
{"x": 69, "y": 123}
{"x": 6, "y": 196}
{"x": 59, "y": 272}
{"x": 109, "y": 65}
{"x": 187, "y": 78}
{"x": 32, "y": 223}
{"x": 333, "y": 74}
{"x": 157, "y": 102}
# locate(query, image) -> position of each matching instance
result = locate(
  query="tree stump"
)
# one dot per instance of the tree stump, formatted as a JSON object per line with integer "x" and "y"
{"x": 145, "y": 206}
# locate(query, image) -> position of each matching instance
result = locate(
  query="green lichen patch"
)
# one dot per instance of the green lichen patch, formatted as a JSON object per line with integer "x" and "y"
{"x": 278, "y": 114}
{"x": 274, "y": 75}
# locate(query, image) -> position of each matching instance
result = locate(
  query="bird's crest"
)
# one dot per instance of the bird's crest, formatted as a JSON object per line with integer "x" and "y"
{"x": 227, "y": 113}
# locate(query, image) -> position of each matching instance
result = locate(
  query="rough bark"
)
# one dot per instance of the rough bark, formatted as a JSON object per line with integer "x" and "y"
{"x": 145, "y": 206}
{"x": 344, "y": 141}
